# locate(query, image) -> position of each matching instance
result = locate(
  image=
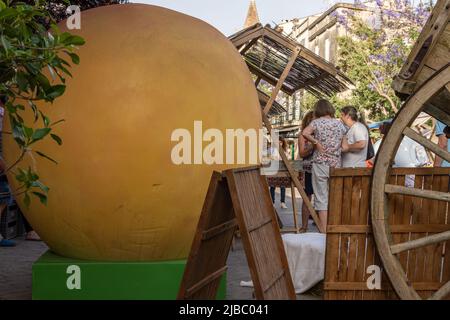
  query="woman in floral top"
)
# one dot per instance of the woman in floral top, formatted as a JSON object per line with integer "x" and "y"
{"x": 326, "y": 134}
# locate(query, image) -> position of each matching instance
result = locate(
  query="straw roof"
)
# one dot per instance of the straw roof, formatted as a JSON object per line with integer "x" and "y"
{"x": 267, "y": 52}
{"x": 276, "y": 109}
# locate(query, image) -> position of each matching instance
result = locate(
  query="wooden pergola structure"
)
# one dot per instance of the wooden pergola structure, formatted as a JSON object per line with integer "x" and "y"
{"x": 424, "y": 82}
{"x": 288, "y": 66}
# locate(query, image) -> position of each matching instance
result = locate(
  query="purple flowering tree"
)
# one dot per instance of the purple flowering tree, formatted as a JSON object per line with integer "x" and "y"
{"x": 374, "y": 49}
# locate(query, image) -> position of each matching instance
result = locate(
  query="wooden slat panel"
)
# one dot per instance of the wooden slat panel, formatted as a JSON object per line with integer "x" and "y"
{"x": 411, "y": 218}
{"x": 362, "y": 286}
{"x": 263, "y": 246}
{"x": 401, "y": 228}
{"x": 345, "y": 238}
{"x": 211, "y": 244}
{"x": 444, "y": 210}
{"x": 363, "y": 220}
{"x": 349, "y": 172}
{"x": 332, "y": 241}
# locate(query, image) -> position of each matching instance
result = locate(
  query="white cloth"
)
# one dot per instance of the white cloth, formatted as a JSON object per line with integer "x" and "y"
{"x": 306, "y": 258}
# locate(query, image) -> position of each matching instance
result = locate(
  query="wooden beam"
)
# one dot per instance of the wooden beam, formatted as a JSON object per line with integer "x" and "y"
{"x": 443, "y": 292}
{"x": 311, "y": 82}
{"x": 319, "y": 62}
{"x": 444, "y": 154}
{"x": 211, "y": 233}
{"x": 208, "y": 279}
{"x": 259, "y": 225}
{"x": 294, "y": 177}
{"x": 422, "y": 242}
{"x": 281, "y": 39}
{"x": 396, "y": 228}
{"x": 433, "y": 28}
{"x": 437, "y": 113}
{"x": 281, "y": 80}
{"x": 428, "y": 194}
{"x": 245, "y": 48}
{"x": 347, "y": 286}
{"x": 269, "y": 78}
{"x": 247, "y": 36}
{"x": 304, "y": 52}
{"x": 294, "y": 206}
{"x": 274, "y": 281}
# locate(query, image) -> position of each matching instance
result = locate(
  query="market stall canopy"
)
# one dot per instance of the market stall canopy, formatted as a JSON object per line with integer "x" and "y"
{"x": 430, "y": 54}
{"x": 267, "y": 52}
{"x": 276, "y": 110}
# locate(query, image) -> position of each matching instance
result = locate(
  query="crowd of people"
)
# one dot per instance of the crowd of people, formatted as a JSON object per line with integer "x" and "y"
{"x": 327, "y": 142}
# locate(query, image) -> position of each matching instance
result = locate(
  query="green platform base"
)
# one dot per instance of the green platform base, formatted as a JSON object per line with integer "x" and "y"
{"x": 59, "y": 278}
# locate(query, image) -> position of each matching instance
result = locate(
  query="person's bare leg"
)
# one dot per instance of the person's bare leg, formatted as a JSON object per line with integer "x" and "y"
{"x": 323, "y": 215}
{"x": 305, "y": 216}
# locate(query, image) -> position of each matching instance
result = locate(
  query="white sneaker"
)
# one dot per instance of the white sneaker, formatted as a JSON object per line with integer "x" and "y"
{"x": 283, "y": 205}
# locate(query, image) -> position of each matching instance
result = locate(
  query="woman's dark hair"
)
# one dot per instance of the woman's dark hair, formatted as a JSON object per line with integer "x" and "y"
{"x": 354, "y": 114}
{"x": 3, "y": 99}
{"x": 447, "y": 131}
{"x": 323, "y": 108}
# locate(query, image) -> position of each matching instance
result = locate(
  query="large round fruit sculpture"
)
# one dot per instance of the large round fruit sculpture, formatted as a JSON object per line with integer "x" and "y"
{"x": 115, "y": 194}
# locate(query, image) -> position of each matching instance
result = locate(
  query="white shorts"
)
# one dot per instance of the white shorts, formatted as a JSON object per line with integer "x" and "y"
{"x": 320, "y": 180}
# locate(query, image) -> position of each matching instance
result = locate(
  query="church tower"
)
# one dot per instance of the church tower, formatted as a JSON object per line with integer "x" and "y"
{"x": 252, "y": 15}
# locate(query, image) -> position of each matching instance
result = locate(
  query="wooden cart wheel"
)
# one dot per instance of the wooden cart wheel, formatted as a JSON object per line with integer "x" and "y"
{"x": 381, "y": 187}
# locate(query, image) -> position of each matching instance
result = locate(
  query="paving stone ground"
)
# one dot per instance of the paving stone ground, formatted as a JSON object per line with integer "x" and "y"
{"x": 15, "y": 268}
{"x": 16, "y": 263}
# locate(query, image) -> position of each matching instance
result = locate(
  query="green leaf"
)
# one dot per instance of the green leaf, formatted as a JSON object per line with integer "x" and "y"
{"x": 40, "y": 185}
{"x": 56, "y": 138}
{"x": 26, "y": 200}
{"x": 74, "y": 40}
{"x": 35, "y": 112}
{"x": 46, "y": 157}
{"x": 21, "y": 176}
{"x": 28, "y": 131}
{"x": 55, "y": 123}
{"x": 40, "y": 133}
{"x": 55, "y": 91}
{"x": 45, "y": 119}
{"x": 11, "y": 108}
{"x": 5, "y": 43}
{"x": 43, "y": 81}
{"x": 42, "y": 197}
{"x": 75, "y": 58}
{"x": 22, "y": 81}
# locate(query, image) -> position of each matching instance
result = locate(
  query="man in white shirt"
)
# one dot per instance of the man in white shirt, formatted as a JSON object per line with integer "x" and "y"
{"x": 356, "y": 141}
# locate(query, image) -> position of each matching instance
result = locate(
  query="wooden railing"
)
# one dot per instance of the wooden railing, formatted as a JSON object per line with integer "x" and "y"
{"x": 350, "y": 246}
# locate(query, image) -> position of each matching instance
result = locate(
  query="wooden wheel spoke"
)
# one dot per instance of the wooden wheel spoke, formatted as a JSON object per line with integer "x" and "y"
{"x": 428, "y": 194}
{"x": 443, "y": 292}
{"x": 422, "y": 242}
{"x": 427, "y": 143}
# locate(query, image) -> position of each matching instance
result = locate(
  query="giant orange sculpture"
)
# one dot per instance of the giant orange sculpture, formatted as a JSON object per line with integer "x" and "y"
{"x": 145, "y": 71}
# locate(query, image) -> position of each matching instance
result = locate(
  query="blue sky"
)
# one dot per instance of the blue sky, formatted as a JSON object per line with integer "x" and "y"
{"x": 229, "y": 15}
